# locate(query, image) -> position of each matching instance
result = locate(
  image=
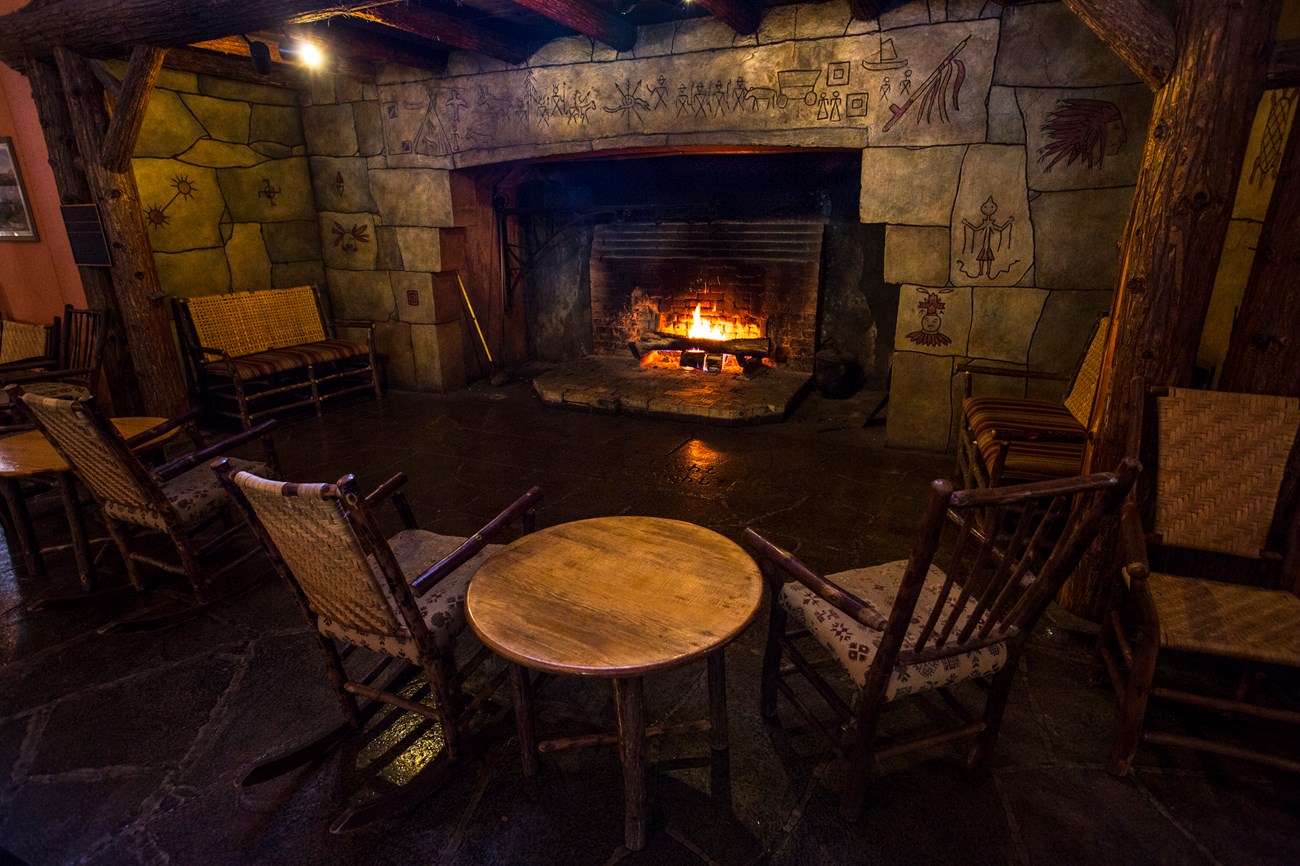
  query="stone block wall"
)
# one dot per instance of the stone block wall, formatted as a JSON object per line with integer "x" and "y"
{"x": 387, "y": 232}
{"x": 224, "y": 183}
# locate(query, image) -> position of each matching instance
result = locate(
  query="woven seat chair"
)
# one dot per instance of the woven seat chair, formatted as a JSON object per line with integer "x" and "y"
{"x": 909, "y": 627}
{"x": 402, "y": 597}
{"x": 1161, "y": 623}
{"x": 1015, "y": 439}
{"x": 68, "y": 366}
{"x": 179, "y": 499}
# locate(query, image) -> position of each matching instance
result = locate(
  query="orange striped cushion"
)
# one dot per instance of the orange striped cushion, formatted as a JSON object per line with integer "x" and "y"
{"x": 1026, "y": 460}
{"x": 283, "y": 360}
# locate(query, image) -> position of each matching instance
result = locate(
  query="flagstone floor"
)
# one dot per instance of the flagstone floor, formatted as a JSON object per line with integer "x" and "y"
{"x": 125, "y": 749}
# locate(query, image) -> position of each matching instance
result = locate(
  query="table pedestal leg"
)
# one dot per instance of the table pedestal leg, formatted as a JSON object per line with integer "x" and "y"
{"x": 717, "y": 700}
{"x": 631, "y": 744}
{"x": 521, "y": 685}
{"x": 12, "y": 491}
{"x": 77, "y": 528}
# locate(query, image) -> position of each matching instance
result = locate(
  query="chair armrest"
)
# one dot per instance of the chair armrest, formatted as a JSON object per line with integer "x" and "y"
{"x": 42, "y": 375}
{"x": 189, "y": 461}
{"x": 524, "y": 507}
{"x": 33, "y": 363}
{"x": 392, "y": 488}
{"x": 838, "y": 597}
{"x": 355, "y": 323}
{"x": 1010, "y": 371}
{"x": 159, "y": 429}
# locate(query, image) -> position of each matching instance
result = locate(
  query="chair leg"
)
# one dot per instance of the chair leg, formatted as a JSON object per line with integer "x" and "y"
{"x": 771, "y": 676}
{"x": 861, "y": 757}
{"x": 119, "y": 533}
{"x": 1133, "y": 703}
{"x": 996, "y": 705}
{"x": 440, "y": 675}
{"x": 521, "y": 686}
{"x": 190, "y": 562}
{"x": 1097, "y": 673}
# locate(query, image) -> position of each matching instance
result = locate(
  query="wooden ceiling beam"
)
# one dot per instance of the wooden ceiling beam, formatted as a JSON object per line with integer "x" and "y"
{"x": 1284, "y": 65}
{"x": 129, "y": 110}
{"x": 342, "y": 40}
{"x": 443, "y": 28}
{"x": 235, "y": 68}
{"x": 94, "y": 28}
{"x": 744, "y": 16}
{"x": 1136, "y": 30}
{"x": 342, "y": 62}
{"x": 613, "y": 30}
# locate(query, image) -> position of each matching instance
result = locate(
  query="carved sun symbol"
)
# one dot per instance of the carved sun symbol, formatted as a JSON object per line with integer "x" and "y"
{"x": 156, "y": 217}
{"x": 184, "y": 186}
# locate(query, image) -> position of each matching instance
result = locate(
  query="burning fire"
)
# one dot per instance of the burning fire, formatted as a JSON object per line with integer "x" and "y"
{"x": 705, "y": 330}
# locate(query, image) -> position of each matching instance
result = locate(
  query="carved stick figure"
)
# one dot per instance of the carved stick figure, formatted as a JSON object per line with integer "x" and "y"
{"x": 981, "y": 235}
{"x": 884, "y": 89}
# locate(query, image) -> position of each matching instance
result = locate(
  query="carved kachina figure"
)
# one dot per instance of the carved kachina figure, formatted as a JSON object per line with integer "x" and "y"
{"x": 981, "y": 237}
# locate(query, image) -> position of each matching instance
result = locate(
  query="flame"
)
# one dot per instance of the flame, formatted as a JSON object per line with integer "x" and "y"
{"x": 702, "y": 330}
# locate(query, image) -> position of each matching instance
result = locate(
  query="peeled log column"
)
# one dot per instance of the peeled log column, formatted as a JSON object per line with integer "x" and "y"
{"x": 1200, "y": 125}
{"x": 52, "y": 108}
{"x": 140, "y": 298}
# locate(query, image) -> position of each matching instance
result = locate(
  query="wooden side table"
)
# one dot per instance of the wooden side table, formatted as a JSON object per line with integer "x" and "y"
{"x": 29, "y": 455}
{"x": 616, "y": 597}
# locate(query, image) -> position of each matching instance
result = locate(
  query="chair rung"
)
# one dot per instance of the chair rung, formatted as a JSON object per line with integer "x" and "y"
{"x": 1225, "y": 749}
{"x": 1226, "y": 705}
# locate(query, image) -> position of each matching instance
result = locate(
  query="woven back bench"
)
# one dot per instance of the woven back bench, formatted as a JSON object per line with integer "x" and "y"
{"x": 258, "y": 353}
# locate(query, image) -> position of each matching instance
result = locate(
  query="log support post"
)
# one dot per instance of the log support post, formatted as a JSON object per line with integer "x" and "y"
{"x": 1200, "y": 126}
{"x": 140, "y": 299}
{"x": 52, "y": 109}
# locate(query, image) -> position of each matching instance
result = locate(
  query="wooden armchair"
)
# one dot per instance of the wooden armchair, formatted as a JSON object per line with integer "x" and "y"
{"x": 908, "y": 627}
{"x": 69, "y": 367}
{"x": 179, "y": 499}
{"x": 1218, "y": 468}
{"x": 402, "y": 597}
{"x": 1015, "y": 439}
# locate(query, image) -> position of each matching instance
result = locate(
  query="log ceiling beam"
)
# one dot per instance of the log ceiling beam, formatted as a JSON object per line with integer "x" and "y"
{"x": 1136, "y": 30}
{"x": 129, "y": 110}
{"x": 235, "y": 68}
{"x": 340, "y": 40}
{"x": 445, "y": 29}
{"x": 96, "y": 29}
{"x": 237, "y": 46}
{"x": 1284, "y": 65}
{"x": 744, "y": 16}
{"x": 613, "y": 30}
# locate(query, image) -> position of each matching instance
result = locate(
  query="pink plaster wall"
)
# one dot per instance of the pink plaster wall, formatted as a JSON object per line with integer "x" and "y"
{"x": 36, "y": 279}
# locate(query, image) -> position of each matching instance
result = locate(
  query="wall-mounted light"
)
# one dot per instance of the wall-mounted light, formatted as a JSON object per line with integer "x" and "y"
{"x": 307, "y": 53}
{"x": 261, "y": 55}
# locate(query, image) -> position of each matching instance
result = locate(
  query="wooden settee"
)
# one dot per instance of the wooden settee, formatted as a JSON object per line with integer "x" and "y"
{"x": 257, "y": 353}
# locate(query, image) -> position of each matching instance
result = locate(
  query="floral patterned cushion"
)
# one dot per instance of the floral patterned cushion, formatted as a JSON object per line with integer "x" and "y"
{"x": 196, "y": 495}
{"x": 854, "y": 645}
{"x": 442, "y": 607}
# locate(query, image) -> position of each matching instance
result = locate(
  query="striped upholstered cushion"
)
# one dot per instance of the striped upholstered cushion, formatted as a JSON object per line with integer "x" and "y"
{"x": 1027, "y": 459}
{"x": 291, "y": 358}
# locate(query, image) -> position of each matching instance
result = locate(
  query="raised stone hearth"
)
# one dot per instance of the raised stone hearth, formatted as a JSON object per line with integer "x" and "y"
{"x": 621, "y": 386}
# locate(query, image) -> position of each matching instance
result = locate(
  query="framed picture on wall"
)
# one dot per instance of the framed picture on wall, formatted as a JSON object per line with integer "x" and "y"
{"x": 16, "y": 223}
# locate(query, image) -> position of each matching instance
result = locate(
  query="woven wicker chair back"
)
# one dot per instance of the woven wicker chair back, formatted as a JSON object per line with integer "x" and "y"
{"x": 1008, "y": 556}
{"x": 1219, "y": 470}
{"x": 19, "y": 341}
{"x": 98, "y": 466}
{"x": 1083, "y": 390}
{"x": 321, "y": 550}
{"x": 246, "y": 322}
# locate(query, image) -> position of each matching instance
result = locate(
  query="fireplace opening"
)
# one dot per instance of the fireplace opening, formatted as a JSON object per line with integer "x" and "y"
{"x": 618, "y": 254}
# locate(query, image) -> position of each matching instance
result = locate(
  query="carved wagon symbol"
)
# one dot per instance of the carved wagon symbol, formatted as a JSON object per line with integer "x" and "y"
{"x": 796, "y": 83}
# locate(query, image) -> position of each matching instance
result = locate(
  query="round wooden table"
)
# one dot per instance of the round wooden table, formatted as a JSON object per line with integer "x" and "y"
{"x": 28, "y": 455}
{"x": 616, "y": 597}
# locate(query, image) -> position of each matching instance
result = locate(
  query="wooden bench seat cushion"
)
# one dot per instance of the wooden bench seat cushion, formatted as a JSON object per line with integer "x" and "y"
{"x": 1225, "y": 619}
{"x": 281, "y": 360}
{"x": 442, "y": 607}
{"x": 1027, "y": 459}
{"x": 854, "y": 645}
